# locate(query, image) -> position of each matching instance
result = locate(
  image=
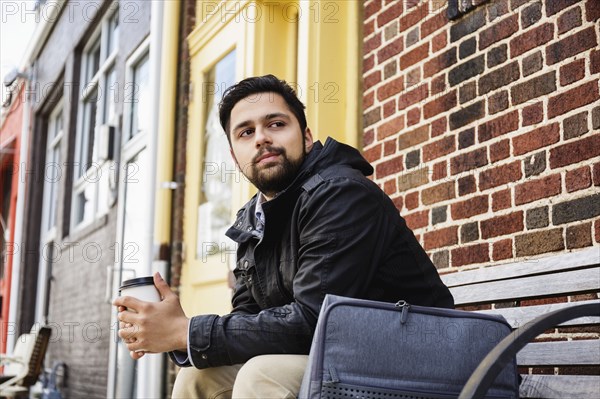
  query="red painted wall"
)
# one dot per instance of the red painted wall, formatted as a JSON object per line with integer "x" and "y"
{"x": 10, "y": 135}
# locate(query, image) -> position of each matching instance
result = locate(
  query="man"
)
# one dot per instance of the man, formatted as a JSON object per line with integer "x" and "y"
{"x": 317, "y": 226}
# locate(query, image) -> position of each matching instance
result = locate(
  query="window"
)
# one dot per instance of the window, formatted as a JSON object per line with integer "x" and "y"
{"x": 93, "y": 61}
{"x": 214, "y": 210}
{"x": 110, "y": 96}
{"x": 113, "y": 33}
{"x": 53, "y": 174}
{"x": 138, "y": 94}
{"x": 52, "y": 171}
{"x": 97, "y": 106}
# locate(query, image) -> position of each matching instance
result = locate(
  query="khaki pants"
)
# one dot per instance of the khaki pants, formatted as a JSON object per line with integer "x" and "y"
{"x": 262, "y": 377}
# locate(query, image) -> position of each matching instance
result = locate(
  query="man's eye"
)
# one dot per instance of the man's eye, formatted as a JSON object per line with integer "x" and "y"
{"x": 277, "y": 124}
{"x": 245, "y": 133}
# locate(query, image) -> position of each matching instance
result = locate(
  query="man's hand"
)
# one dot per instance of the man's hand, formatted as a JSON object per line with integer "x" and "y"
{"x": 153, "y": 327}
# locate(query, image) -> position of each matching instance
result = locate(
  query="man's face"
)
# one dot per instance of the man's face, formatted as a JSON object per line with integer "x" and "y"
{"x": 266, "y": 141}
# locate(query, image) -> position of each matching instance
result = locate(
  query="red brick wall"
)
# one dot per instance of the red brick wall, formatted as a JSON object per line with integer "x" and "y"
{"x": 485, "y": 130}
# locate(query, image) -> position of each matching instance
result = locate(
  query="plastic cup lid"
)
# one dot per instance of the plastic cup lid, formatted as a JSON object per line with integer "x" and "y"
{"x": 135, "y": 282}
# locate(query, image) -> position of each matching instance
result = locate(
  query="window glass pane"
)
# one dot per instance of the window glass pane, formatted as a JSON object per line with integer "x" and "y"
{"x": 86, "y": 142}
{"x": 89, "y": 132}
{"x": 53, "y": 172}
{"x": 110, "y": 96}
{"x": 136, "y": 228}
{"x": 54, "y": 127}
{"x": 93, "y": 61}
{"x": 53, "y": 175}
{"x": 59, "y": 124}
{"x": 140, "y": 97}
{"x": 113, "y": 34}
{"x": 81, "y": 145}
{"x": 214, "y": 211}
{"x": 83, "y": 205}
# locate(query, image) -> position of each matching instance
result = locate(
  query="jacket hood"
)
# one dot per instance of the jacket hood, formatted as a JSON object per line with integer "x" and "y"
{"x": 334, "y": 153}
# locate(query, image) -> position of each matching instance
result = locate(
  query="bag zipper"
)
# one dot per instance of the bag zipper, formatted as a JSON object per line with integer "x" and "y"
{"x": 405, "y": 307}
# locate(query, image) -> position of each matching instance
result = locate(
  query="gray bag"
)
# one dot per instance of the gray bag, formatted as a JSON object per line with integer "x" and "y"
{"x": 377, "y": 350}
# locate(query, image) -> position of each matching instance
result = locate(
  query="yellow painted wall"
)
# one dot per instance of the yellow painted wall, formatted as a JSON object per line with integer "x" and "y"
{"x": 329, "y": 56}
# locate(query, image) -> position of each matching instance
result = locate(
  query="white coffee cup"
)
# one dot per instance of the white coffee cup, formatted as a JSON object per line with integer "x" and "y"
{"x": 141, "y": 288}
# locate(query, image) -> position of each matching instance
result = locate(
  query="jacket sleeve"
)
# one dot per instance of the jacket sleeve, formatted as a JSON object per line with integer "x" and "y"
{"x": 339, "y": 225}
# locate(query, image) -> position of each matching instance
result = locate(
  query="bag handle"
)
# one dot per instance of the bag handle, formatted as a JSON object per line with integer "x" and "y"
{"x": 485, "y": 374}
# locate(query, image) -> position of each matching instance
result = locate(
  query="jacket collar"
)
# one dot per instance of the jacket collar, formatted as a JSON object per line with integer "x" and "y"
{"x": 320, "y": 157}
{"x": 241, "y": 230}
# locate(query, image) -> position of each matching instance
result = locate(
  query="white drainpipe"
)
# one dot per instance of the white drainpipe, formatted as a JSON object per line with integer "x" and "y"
{"x": 150, "y": 367}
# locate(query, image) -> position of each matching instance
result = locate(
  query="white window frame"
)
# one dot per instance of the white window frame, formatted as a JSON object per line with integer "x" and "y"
{"x": 48, "y": 231}
{"x": 52, "y": 144}
{"x": 89, "y": 179}
{"x": 134, "y": 59}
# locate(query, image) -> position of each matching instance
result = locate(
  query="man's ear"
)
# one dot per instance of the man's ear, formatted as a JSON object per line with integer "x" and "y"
{"x": 308, "y": 139}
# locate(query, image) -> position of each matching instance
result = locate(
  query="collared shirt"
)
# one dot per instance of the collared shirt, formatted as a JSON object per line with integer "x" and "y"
{"x": 259, "y": 215}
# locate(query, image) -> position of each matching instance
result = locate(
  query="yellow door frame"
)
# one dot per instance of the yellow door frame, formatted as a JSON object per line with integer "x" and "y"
{"x": 315, "y": 46}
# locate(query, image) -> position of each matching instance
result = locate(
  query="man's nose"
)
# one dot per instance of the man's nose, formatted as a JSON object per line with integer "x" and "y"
{"x": 262, "y": 137}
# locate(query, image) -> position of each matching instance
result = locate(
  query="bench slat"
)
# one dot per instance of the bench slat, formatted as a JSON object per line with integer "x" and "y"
{"x": 560, "y": 353}
{"x": 565, "y": 274}
{"x": 570, "y": 282}
{"x": 557, "y": 263}
{"x": 517, "y": 317}
{"x": 559, "y": 386}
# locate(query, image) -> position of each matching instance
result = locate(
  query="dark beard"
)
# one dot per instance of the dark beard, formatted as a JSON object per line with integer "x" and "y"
{"x": 274, "y": 179}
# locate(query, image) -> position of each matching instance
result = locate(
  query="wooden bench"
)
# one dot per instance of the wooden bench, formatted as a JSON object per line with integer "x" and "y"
{"x": 525, "y": 290}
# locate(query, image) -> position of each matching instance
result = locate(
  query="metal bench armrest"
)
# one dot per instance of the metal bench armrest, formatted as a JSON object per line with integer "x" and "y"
{"x": 485, "y": 374}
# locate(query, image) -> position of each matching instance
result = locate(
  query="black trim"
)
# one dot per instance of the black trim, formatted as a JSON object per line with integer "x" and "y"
{"x": 458, "y": 8}
{"x": 453, "y": 12}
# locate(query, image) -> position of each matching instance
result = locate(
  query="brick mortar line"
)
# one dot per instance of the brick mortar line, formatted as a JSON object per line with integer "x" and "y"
{"x": 555, "y": 39}
{"x": 532, "y": 259}
{"x": 490, "y": 214}
{"x": 494, "y": 240}
{"x": 544, "y": 19}
{"x": 510, "y": 185}
{"x": 545, "y": 69}
{"x": 487, "y": 118}
{"x": 489, "y": 165}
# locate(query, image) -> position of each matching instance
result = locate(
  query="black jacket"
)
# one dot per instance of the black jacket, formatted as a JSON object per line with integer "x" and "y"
{"x": 332, "y": 231}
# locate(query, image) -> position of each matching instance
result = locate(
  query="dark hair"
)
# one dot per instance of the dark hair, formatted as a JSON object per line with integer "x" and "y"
{"x": 255, "y": 85}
